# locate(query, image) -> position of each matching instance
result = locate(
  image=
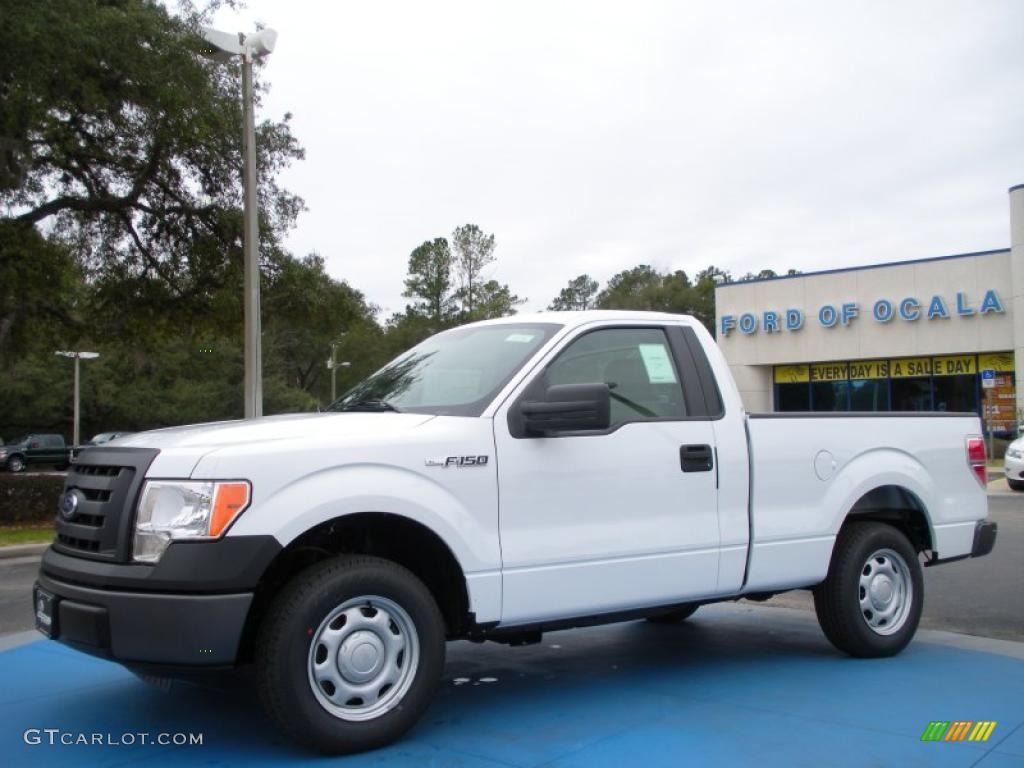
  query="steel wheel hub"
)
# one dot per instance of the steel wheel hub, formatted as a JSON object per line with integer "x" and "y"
{"x": 363, "y": 658}
{"x": 886, "y": 591}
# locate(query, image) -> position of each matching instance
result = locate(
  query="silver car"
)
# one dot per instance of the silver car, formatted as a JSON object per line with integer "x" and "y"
{"x": 1013, "y": 464}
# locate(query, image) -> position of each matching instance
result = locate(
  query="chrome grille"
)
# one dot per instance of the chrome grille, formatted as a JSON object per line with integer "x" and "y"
{"x": 107, "y": 483}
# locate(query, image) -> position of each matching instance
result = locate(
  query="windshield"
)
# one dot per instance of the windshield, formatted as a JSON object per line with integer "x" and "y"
{"x": 19, "y": 441}
{"x": 456, "y": 373}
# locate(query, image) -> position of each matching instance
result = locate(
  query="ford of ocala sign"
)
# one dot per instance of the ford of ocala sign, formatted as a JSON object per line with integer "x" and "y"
{"x": 909, "y": 309}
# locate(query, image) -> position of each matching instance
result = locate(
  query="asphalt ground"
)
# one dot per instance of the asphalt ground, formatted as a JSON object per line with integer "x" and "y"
{"x": 735, "y": 685}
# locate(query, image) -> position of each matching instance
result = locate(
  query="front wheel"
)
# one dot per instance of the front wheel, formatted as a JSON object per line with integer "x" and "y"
{"x": 16, "y": 464}
{"x": 1016, "y": 485}
{"x": 349, "y": 654}
{"x": 870, "y": 603}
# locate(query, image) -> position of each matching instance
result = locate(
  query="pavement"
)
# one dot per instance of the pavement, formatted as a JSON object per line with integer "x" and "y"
{"x": 738, "y": 684}
{"x": 735, "y": 685}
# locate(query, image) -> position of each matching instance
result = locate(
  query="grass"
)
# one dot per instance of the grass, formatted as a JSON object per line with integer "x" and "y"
{"x": 25, "y": 534}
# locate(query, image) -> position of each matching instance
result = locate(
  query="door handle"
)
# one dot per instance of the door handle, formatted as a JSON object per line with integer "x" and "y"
{"x": 696, "y": 458}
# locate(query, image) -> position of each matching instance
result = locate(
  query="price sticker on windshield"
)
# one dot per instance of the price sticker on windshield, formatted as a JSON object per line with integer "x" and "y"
{"x": 656, "y": 361}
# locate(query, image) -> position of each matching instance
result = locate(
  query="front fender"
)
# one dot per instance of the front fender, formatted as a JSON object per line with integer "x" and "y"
{"x": 334, "y": 492}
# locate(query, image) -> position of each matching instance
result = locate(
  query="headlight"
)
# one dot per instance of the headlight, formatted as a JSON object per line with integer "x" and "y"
{"x": 3, "y": 454}
{"x": 172, "y": 510}
{"x": 1014, "y": 453}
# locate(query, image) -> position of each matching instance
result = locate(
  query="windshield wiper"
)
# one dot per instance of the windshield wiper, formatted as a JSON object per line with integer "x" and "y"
{"x": 370, "y": 405}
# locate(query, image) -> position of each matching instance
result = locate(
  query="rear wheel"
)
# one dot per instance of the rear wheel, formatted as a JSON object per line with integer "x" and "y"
{"x": 1016, "y": 485}
{"x": 676, "y": 615}
{"x": 349, "y": 654}
{"x": 870, "y": 603}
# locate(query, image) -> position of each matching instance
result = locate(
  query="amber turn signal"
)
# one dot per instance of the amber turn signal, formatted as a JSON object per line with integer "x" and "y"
{"x": 228, "y": 502}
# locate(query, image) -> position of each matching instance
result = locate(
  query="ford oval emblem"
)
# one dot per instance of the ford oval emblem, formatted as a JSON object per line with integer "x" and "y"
{"x": 68, "y": 505}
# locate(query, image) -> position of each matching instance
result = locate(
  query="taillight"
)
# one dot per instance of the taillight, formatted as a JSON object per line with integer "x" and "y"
{"x": 976, "y": 459}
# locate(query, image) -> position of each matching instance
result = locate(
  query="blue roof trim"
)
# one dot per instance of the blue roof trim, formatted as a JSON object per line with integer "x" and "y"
{"x": 865, "y": 266}
{"x": 1015, "y": 186}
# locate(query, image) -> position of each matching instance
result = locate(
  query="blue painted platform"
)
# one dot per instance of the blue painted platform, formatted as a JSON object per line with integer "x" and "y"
{"x": 735, "y": 685}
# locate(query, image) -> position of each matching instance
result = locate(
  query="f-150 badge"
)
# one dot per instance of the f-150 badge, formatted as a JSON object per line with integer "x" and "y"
{"x": 458, "y": 461}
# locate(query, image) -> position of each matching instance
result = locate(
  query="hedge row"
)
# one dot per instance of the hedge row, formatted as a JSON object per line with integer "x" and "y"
{"x": 29, "y": 498}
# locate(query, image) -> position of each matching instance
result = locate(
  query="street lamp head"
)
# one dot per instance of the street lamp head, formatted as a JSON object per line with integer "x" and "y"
{"x": 88, "y": 355}
{"x": 222, "y": 46}
{"x": 82, "y": 355}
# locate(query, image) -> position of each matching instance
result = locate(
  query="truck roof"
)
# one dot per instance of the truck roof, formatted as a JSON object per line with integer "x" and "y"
{"x": 574, "y": 318}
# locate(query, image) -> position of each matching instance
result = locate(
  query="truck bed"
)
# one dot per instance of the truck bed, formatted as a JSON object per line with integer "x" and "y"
{"x": 809, "y": 469}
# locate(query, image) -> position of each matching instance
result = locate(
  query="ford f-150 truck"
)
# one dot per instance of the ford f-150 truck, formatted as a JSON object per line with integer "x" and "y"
{"x": 498, "y": 480}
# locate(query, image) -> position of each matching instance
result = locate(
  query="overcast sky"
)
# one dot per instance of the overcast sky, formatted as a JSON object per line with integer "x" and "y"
{"x": 592, "y": 136}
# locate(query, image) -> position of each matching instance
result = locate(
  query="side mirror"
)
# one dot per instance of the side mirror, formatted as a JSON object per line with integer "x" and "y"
{"x": 34, "y": 444}
{"x": 568, "y": 408}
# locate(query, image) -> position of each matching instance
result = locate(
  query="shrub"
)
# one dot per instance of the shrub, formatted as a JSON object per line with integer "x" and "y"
{"x": 29, "y": 498}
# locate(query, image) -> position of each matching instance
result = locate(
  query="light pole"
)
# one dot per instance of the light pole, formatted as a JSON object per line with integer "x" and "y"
{"x": 223, "y": 46}
{"x": 77, "y": 356}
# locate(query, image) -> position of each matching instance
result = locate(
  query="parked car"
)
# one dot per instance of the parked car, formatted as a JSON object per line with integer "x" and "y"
{"x": 1013, "y": 465}
{"x": 35, "y": 450}
{"x": 338, "y": 551}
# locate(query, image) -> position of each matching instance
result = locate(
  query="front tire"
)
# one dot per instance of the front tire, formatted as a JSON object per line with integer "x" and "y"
{"x": 1015, "y": 485}
{"x": 870, "y": 603}
{"x": 15, "y": 464}
{"x": 350, "y": 654}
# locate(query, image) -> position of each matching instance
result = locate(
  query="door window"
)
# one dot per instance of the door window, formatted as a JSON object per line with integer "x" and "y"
{"x": 637, "y": 366}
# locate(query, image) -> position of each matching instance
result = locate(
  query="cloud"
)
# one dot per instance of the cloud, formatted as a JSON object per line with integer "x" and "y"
{"x": 590, "y": 137}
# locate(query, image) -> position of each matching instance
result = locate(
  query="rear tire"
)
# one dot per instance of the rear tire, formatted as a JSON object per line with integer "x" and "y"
{"x": 1016, "y": 485}
{"x": 676, "y": 616}
{"x": 349, "y": 654}
{"x": 870, "y": 603}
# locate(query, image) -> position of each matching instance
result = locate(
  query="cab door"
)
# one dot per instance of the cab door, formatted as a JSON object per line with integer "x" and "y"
{"x": 624, "y": 518}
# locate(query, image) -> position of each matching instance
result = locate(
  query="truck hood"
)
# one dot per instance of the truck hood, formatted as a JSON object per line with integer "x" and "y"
{"x": 304, "y": 425}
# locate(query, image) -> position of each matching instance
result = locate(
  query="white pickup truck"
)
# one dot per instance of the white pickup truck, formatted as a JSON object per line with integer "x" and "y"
{"x": 496, "y": 481}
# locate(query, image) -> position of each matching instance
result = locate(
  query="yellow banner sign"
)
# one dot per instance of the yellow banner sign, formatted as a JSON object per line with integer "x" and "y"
{"x": 905, "y": 367}
{"x": 955, "y": 365}
{"x": 830, "y": 372}
{"x": 792, "y": 374}
{"x": 869, "y": 369}
{"x": 896, "y": 368}
{"x": 996, "y": 361}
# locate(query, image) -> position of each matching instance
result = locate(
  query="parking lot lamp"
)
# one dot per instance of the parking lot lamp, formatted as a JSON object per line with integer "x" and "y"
{"x": 77, "y": 356}
{"x": 224, "y": 46}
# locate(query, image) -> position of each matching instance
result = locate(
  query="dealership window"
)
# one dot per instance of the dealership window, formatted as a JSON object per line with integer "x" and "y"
{"x": 912, "y": 394}
{"x": 941, "y": 383}
{"x": 830, "y": 396}
{"x": 956, "y": 393}
{"x": 830, "y": 386}
{"x": 792, "y": 397}
{"x": 869, "y": 395}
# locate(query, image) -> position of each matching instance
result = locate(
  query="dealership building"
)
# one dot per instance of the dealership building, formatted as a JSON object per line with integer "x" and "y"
{"x": 935, "y": 334}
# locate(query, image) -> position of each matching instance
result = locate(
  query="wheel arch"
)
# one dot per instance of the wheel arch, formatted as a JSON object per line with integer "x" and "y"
{"x": 388, "y": 536}
{"x": 897, "y": 506}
